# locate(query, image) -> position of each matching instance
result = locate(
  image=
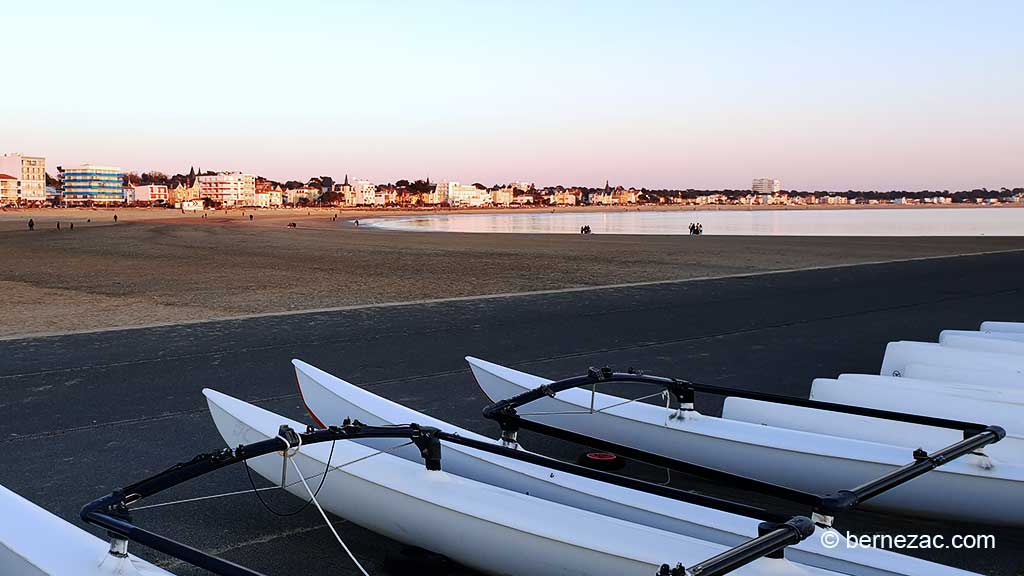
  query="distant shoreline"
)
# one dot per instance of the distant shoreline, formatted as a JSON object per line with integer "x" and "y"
{"x": 159, "y": 212}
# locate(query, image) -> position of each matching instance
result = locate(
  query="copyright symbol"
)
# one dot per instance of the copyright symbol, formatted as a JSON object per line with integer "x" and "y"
{"x": 830, "y": 539}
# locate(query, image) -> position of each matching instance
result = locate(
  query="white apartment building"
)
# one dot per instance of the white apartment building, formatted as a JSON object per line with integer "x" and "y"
{"x": 502, "y": 196}
{"x": 441, "y": 192}
{"x": 149, "y": 193}
{"x": 269, "y": 198}
{"x": 766, "y": 186}
{"x": 563, "y": 198}
{"x": 297, "y": 195}
{"x": 384, "y": 196}
{"x": 456, "y": 194}
{"x": 461, "y": 195}
{"x": 30, "y": 172}
{"x": 364, "y": 193}
{"x": 229, "y": 188}
{"x": 8, "y": 189}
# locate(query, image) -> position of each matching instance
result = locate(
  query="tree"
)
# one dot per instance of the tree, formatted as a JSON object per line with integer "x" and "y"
{"x": 421, "y": 187}
{"x": 331, "y": 197}
{"x": 154, "y": 177}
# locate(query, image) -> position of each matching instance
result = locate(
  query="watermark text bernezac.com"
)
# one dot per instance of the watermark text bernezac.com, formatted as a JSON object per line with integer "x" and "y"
{"x": 834, "y": 539}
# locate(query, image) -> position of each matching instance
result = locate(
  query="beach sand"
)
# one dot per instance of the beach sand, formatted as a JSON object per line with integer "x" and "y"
{"x": 161, "y": 266}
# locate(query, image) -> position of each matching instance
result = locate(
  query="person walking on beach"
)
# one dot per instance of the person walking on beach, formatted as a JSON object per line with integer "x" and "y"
{"x": 72, "y": 225}
{"x": 31, "y": 224}
{"x": 691, "y": 228}
{"x": 115, "y": 218}
{"x": 357, "y": 223}
{"x": 58, "y": 224}
{"x": 250, "y": 217}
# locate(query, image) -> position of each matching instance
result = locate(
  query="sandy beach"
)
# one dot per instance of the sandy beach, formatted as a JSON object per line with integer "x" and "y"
{"x": 162, "y": 266}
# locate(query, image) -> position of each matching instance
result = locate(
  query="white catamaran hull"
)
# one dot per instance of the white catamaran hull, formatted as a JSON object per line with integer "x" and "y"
{"x": 331, "y": 400}
{"x": 918, "y": 386}
{"x": 898, "y": 355}
{"x": 34, "y": 542}
{"x": 887, "y": 393}
{"x": 995, "y": 345}
{"x": 481, "y": 526}
{"x": 995, "y": 379}
{"x": 1011, "y": 336}
{"x": 802, "y": 460}
{"x": 993, "y": 326}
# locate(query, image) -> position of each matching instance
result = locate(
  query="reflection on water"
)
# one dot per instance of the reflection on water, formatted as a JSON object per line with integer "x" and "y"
{"x": 863, "y": 222}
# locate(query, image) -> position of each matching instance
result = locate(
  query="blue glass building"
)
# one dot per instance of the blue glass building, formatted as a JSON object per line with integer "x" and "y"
{"x": 93, "y": 184}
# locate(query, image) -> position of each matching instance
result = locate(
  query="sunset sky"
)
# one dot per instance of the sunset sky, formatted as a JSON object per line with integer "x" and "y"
{"x": 823, "y": 95}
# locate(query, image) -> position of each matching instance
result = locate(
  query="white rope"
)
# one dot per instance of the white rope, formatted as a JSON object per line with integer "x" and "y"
{"x": 210, "y": 497}
{"x": 249, "y": 490}
{"x": 326, "y": 519}
{"x": 554, "y": 413}
{"x": 591, "y": 411}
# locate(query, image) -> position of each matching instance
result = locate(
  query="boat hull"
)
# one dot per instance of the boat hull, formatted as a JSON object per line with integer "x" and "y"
{"x": 331, "y": 400}
{"x": 887, "y": 394}
{"x": 982, "y": 344}
{"x": 994, "y": 326}
{"x": 908, "y": 384}
{"x": 1011, "y": 336}
{"x": 899, "y": 355}
{"x": 995, "y": 379}
{"x": 802, "y": 460}
{"x": 490, "y": 529}
{"x": 34, "y": 542}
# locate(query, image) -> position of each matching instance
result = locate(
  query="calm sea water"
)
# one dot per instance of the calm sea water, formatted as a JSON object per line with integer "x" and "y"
{"x": 862, "y": 222}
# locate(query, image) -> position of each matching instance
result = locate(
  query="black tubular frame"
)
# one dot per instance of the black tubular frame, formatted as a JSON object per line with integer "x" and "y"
{"x": 975, "y": 436}
{"x": 113, "y": 511}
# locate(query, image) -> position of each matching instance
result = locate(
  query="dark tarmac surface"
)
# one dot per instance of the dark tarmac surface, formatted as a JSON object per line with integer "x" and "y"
{"x": 83, "y": 414}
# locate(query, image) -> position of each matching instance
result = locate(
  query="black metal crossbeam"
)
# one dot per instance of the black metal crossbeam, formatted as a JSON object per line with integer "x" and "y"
{"x": 976, "y": 436}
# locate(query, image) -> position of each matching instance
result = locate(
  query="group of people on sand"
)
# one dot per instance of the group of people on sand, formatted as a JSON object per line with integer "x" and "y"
{"x": 696, "y": 228}
{"x": 32, "y": 223}
{"x": 585, "y": 229}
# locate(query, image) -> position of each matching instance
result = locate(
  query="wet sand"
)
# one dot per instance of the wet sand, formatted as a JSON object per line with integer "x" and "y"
{"x": 161, "y": 266}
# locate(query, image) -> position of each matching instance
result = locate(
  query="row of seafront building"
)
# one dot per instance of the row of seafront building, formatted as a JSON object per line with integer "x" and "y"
{"x": 23, "y": 182}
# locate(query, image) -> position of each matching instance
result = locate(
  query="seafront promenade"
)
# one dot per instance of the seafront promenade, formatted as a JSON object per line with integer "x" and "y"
{"x": 85, "y": 413}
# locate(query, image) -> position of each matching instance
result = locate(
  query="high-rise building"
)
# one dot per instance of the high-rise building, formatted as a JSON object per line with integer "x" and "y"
{"x": 30, "y": 172}
{"x": 93, "y": 184}
{"x": 229, "y": 188}
{"x": 364, "y": 193}
{"x": 442, "y": 192}
{"x": 766, "y": 186}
